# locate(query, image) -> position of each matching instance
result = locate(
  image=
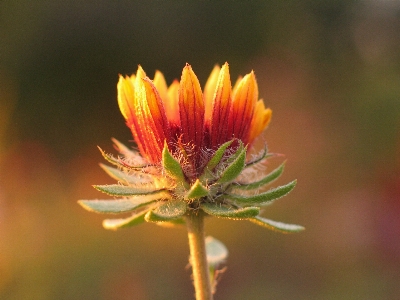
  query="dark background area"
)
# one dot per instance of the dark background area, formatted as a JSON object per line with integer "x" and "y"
{"x": 330, "y": 71}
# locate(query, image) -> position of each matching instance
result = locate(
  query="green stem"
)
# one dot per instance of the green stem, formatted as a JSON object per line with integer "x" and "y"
{"x": 198, "y": 256}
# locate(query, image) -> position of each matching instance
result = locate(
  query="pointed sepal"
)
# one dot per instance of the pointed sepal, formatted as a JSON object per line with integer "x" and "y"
{"x": 277, "y": 226}
{"x": 168, "y": 211}
{"x": 235, "y": 167}
{"x": 257, "y": 184}
{"x": 120, "y": 205}
{"x": 172, "y": 166}
{"x": 229, "y": 212}
{"x": 263, "y": 198}
{"x": 197, "y": 190}
{"x": 114, "y": 224}
{"x": 124, "y": 177}
{"x": 124, "y": 190}
{"x": 214, "y": 161}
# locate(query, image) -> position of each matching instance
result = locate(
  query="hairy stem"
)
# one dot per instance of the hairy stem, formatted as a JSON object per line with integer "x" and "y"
{"x": 198, "y": 256}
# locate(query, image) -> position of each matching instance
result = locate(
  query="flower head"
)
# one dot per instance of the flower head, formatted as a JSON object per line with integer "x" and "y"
{"x": 193, "y": 148}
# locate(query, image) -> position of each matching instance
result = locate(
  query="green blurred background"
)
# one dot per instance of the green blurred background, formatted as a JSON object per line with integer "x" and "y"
{"x": 330, "y": 71}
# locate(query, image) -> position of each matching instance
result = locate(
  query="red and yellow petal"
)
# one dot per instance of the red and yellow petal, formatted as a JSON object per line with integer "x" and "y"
{"x": 241, "y": 113}
{"x": 221, "y": 105}
{"x": 260, "y": 121}
{"x": 191, "y": 110}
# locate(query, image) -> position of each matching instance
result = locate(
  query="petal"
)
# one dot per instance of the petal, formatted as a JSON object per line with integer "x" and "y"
{"x": 243, "y": 103}
{"x": 209, "y": 90}
{"x": 161, "y": 85}
{"x": 220, "y": 108}
{"x": 172, "y": 107}
{"x": 191, "y": 110}
{"x": 261, "y": 119}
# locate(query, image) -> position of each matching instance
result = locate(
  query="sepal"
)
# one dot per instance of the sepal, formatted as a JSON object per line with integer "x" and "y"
{"x": 168, "y": 211}
{"x": 216, "y": 251}
{"x": 229, "y": 212}
{"x": 124, "y": 190}
{"x": 263, "y": 198}
{"x": 197, "y": 190}
{"x": 114, "y": 224}
{"x": 120, "y": 205}
{"x": 172, "y": 166}
{"x": 277, "y": 226}
{"x": 133, "y": 178}
{"x": 257, "y": 184}
{"x": 214, "y": 161}
{"x": 235, "y": 166}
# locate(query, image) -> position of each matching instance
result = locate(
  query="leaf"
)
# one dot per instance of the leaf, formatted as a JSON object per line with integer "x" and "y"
{"x": 166, "y": 212}
{"x": 263, "y": 198}
{"x": 133, "y": 178}
{"x": 114, "y": 224}
{"x": 120, "y": 205}
{"x": 197, "y": 190}
{"x": 277, "y": 226}
{"x": 267, "y": 179}
{"x": 172, "y": 166}
{"x": 125, "y": 190}
{"x": 234, "y": 169}
{"x": 227, "y": 212}
{"x": 214, "y": 161}
{"x": 216, "y": 251}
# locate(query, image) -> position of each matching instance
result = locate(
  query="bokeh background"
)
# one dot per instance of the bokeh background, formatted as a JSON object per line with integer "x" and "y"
{"x": 330, "y": 70}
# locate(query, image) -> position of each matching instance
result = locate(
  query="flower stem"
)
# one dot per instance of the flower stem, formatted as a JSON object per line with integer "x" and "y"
{"x": 198, "y": 256}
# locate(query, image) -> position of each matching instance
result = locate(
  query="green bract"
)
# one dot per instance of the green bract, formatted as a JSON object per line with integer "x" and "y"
{"x": 164, "y": 194}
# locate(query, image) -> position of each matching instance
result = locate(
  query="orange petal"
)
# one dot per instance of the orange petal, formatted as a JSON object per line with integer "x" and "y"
{"x": 126, "y": 96}
{"x": 220, "y": 108}
{"x": 260, "y": 121}
{"x": 161, "y": 85}
{"x": 172, "y": 107}
{"x": 241, "y": 113}
{"x": 191, "y": 109}
{"x": 209, "y": 90}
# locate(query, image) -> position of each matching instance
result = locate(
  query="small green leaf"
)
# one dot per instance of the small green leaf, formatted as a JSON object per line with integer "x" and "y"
{"x": 120, "y": 205}
{"x": 197, "y": 190}
{"x": 166, "y": 212}
{"x": 172, "y": 166}
{"x": 125, "y": 190}
{"x": 114, "y": 224}
{"x": 277, "y": 226}
{"x": 216, "y": 251}
{"x": 133, "y": 177}
{"x": 227, "y": 212}
{"x": 234, "y": 169}
{"x": 214, "y": 161}
{"x": 267, "y": 179}
{"x": 263, "y": 198}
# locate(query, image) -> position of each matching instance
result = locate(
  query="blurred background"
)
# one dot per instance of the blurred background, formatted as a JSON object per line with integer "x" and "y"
{"x": 330, "y": 71}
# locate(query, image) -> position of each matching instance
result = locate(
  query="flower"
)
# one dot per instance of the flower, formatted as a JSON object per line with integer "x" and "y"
{"x": 183, "y": 114}
{"x": 192, "y": 154}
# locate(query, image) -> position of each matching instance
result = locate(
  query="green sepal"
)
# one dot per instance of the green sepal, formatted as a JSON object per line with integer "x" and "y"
{"x": 277, "y": 226}
{"x": 235, "y": 167}
{"x": 110, "y": 158}
{"x": 263, "y": 198}
{"x": 264, "y": 155}
{"x": 114, "y": 224}
{"x": 172, "y": 166}
{"x": 216, "y": 251}
{"x": 125, "y": 190}
{"x": 228, "y": 212}
{"x": 266, "y": 180}
{"x": 120, "y": 205}
{"x": 214, "y": 161}
{"x": 134, "y": 178}
{"x": 172, "y": 223}
{"x": 166, "y": 212}
{"x": 124, "y": 150}
{"x": 197, "y": 190}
